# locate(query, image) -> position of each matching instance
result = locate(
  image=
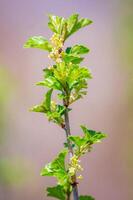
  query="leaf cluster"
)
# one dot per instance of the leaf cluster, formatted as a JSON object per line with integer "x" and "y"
{"x": 83, "y": 144}
{"x": 67, "y": 27}
{"x": 66, "y": 75}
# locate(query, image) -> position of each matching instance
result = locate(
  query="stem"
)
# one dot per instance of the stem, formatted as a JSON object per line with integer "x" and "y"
{"x": 68, "y": 133}
{"x": 68, "y": 196}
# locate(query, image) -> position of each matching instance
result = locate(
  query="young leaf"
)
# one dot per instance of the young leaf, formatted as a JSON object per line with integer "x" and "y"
{"x": 56, "y": 113}
{"x": 77, "y": 140}
{"x": 51, "y": 82}
{"x": 77, "y": 75}
{"x": 86, "y": 198}
{"x": 45, "y": 106}
{"x": 72, "y": 54}
{"x": 56, "y": 24}
{"x": 38, "y": 108}
{"x": 48, "y": 99}
{"x": 75, "y": 59}
{"x": 79, "y": 49}
{"x": 84, "y": 144}
{"x": 56, "y": 192}
{"x": 38, "y": 42}
{"x": 74, "y": 24}
{"x": 71, "y": 22}
{"x": 93, "y": 136}
{"x": 57, "y": 169}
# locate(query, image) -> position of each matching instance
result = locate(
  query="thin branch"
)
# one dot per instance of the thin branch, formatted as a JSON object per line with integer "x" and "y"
{"x": 68, "y": 133}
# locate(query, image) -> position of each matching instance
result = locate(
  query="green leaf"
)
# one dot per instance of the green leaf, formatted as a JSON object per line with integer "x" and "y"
{"x": 86, "y": 198}
{"x": 60, "y": 109}
{"x": 48, "y": 99}
{"x": 75, "y": 59}
{"x": 71, "y": 22}
{"x": 73, "y": 54}
{"x": 60, "y": 72}
{"x": 38, "y": 42}
{"x": 56, "y": 192}
{"x": 45, "y": 106}
{"x": 56, "y": 24}
{"x": 50, "y": 79}
{"x": 74, "y": 24}
{"x": 51, "y": 82}
{"x": 52, "y": 110}
{"x": 55, "y": 166}
{"x": 77, "y": 140}
{"x": 57, "y": 169}
{"x": 77, "y": 75}
{"x": 79, "y": 49}
{"x": 38, "y": 108}
{"x": 93, "y": 136}
{"x": 68, "y": 26}
{"x": 84, "y": 144}
{"x": 56, "y": 113}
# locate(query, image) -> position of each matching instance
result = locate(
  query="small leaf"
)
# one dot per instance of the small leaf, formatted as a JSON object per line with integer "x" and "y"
{"x": 77, "y": 77}
{"x": 48, "y": 99}
{"x": 77, "y": 140}
{"x": 57, "y": 169}
{"x": 56, "y": 192}
{"x": 55, "y": 166}
{"x": 45, "y": 106}
{"x": 51, "y": 82}
{"x": 73, "y": 54}
{"x": 86, "y": 198}
{"x": 93, "y": 136}
{"x": 56, "y": 24}
{"x": 60, "y": 109}
{"x": 79, "y": 49}
{"x": 74, "y": 24}
{"x": 72, "y": 58}
{"x": 71, "y": 22}
{"x": 38, "y": 42}
{"x": 38, "y": 108}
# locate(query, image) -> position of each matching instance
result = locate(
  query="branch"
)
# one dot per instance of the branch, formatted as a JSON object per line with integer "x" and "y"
{"x": 68, "y": 133}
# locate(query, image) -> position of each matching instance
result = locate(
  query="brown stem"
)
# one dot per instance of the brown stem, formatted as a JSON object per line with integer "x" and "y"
{"x": 68, "y": 133}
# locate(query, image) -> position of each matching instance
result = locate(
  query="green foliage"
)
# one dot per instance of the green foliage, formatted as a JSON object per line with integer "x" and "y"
{"x": 52, "y": 110}
{"x": 69, "y": 78}
{"x": 45, "y": 106}
{"x": 56, "y": 24}
{"x": 72, "y": 54}
{"x": 50, "y": 80}
{"x": 74, "y": 24}
{"x": 56, "y": 192}
{"x": 56, "y": 113}
{"x": 86, "y": 198}
{"x": 93, "y": 136}
{"x": 68, "y": 26}
{"x": 57, "y": 169}
{"x": 83, "y": 144}
{"x": 38, "y": 42}
{"x": 75, "y": 59}
{"x": 77, "y": 49}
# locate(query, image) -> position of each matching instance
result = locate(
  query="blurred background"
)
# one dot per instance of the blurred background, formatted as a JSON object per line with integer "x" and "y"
{"x": 27, "y": 140}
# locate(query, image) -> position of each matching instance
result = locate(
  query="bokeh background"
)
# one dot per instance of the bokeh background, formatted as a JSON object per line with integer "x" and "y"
{"x": 27, "y": 140}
